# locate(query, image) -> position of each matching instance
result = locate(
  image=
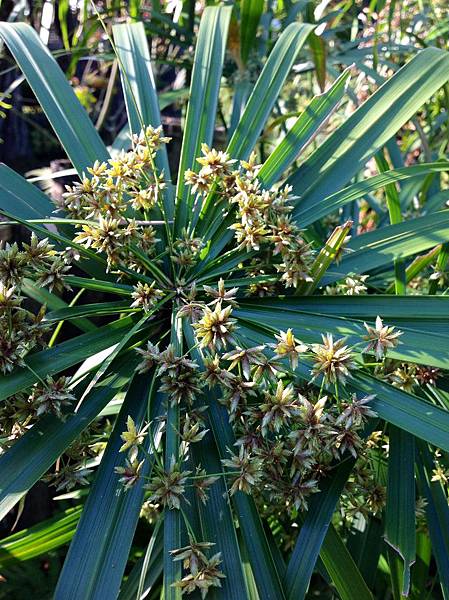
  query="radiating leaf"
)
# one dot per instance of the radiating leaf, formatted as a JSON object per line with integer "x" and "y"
{"x": 379, "y": 248}
{"x": 103, "y": 538}
{"x": 305, "y": 128}
{"x": 68, "y": 118}
{"x": 347, "y": 150}
{"x": 400, "y": 510}
{"x": 330, "y": 203}
{"x": 267, "y": 89}
{"x": 313, "y": 531}
{"x": 201, "y": 110}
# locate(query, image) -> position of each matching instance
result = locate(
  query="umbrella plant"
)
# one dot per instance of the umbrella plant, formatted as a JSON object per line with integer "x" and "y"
{"x": 261, "y": 359}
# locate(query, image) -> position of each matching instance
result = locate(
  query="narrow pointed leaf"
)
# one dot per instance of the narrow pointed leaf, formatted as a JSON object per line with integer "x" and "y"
{"x": 342, "y": 569}
{"x": 21, "y": 198}
{"x": 250, "y": 13}
{"x": 378, "y": 248}
{"x": 267, "y": 89}
{"x": 153, "y": 571}
{"x": 330, "y": 203}
{"x": 306, "y": 127}
{"x": 437, "y": 511}
{"x": 313, "y": 531}
{"x": 201, "y": 110}
{"x": 41, "y": 538}
{"x": 401, "y": 504}
{"x": 217, "y": 521}
{"x": 141, "y": 98}
{"x": 348, "y": 149}
{"x": 68, "y": 118}
{"x": 104, "y": 534}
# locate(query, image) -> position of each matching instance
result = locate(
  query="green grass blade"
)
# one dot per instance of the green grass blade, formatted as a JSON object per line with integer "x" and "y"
{"x": 416, "y": 344}
{"x": 408, "y": 412}
{"x": 88, "y": 310}
{"x": 400, "y": 511}
{"x": 103, "y": 538}
{"x": 342, "y": 569}
{"x": 437, "y": 511}
{"x": 172, "y": 570}
{"x": 21, "y": 198}
{"x": 329, "y": 204}
{"x": 106, "y": 287}
{"x": 217, "y": 522}
{"x": 313, "y": 531}
{"x": 260, "y": 556}
{"x": 412, "y": 308}
{"x": 250, "y": 13}
{"x": 68, "y": 118}
{"x": 41, "y": 538}
{"x": 201, "y": 110}
{"x": 365, "y": 548}
{"x": 303, "y": 131}
{"x": 267, "y": 89}
{"x": 53, "y": 302}
{"x": 394, "y": 210}
{"x": 152, "y": 574}
{"x": 370, "y": 127}
{"x": 378, "y": 248}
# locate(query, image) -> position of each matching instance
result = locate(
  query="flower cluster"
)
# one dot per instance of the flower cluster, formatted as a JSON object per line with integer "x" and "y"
{"x": 110, "y": 197}
{"x": 23, "y": 330}
{"x": 288, "y": 435}
{"x": 263, "y": 226}
{"x": 20, "y": 329}
{"x": 202, "y": 572}
{"x": 290, "y": 403}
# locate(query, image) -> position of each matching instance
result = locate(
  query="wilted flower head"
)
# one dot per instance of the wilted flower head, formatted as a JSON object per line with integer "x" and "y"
{"x": 279, "y": 407}
{"x": 356, "y": 412}
{"x": 245, "y": 358}
{"x": 130, "y": 473}
{"x": 248, "y": 468}
{"x": 426, "y": 374}
{"x": 203, "y": 572}
{"x": 150, "y": 355}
